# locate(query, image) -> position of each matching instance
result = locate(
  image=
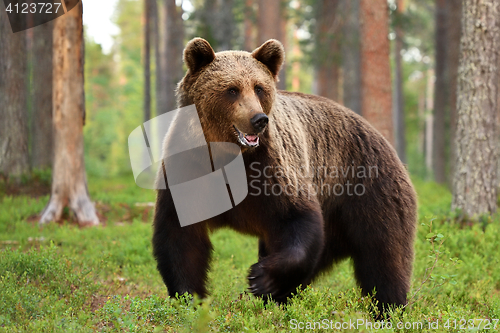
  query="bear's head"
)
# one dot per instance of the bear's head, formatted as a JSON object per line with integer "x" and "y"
{"x": 234, "y": 91}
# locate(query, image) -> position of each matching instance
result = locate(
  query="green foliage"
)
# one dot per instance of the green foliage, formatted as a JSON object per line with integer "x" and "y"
{"x": 40, "y": 284}
{"x": 433, "y": 198}
{"x": 99, "y": 133}
{"x": 114, "y": 94}
{"x": 65, "y": 278}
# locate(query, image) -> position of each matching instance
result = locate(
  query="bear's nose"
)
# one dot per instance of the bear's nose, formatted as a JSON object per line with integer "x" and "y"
{"x": 259, "y": 121}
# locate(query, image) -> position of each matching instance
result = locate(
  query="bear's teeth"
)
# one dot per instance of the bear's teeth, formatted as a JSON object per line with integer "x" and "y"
{"x": 252, "y": 140}
{"x": 249, "y": 140}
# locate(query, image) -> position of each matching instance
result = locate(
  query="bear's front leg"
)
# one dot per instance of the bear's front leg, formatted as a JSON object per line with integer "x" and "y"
{"x": 182, "y": 253}
{"x": 292, "y": 247}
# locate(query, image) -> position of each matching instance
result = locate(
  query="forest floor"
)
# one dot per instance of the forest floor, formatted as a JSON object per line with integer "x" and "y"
{"x": 63, "y": 278}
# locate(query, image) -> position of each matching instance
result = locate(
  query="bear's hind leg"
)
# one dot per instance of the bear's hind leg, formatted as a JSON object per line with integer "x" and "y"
{"x": 385, "y": 271}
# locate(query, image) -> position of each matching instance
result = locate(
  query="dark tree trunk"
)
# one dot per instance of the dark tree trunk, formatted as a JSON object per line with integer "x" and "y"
{"x": 174, "y": 44}
{"x": 42, "y": 146}
{"x": 475, "y": 179}
{"x": 399, "y": 104}
{"x": 351, "y": 55}
{"x": 270, "y": 25}
{"x": 14, "y": 159}
{"x": 69, "y": 183}
{"x": 375, "y": 66}
{"x": 441, "y": 93}
{"x": 147, "y": 59}
{"x": 329, "y": 26}
{"x": 219, "y": 24}
{"x": 159, "y": 56}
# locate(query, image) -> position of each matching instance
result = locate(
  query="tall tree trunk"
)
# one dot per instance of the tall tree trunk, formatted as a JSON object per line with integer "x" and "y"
{"x": 69, "y": 183}
{"x": 227, "y": 26}
{"x": 174, "y": 44}
{"x": 218, "y": 21}
{"x": 441, "y": 92}
{"x": 14, "y": 159}
{"x": 475, "y": 180}
{"x": 42, "y": 150}
{"x": 399, "y": 105}
{"x": 270, "y": 25}
{"x": 159, "y": 56}
{"x": 351, "y": 55}
{"x": 249, "y": 26}
{"x": 375, "y": 66}
{"x": 328, "y": 48}
{"x": 454, "y": 31}
{"x": 147, "y": 59}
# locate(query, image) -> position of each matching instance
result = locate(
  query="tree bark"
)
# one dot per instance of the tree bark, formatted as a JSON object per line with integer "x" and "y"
{"x": 351, "y": 55}
{"x": 147, "y": 59}
{"x": 14, "y": 159}
{"x": 441, "y": 93}
{"x": 158, "y": 37}
{"x": 270, "y": 25}
{"x": 249, "y": 26}
{"x": 399, "y": 105}
{"x": 219, "y": 23}
{"x": 454, "y": 32}
{"x": 375, "y": 66}
{"x": 69, "y": 183}
{"x": 42, "y": 149}
{"x": 475, "y": 178}
{"x": 174, "y": 44}
{"x": 328, "y": 48}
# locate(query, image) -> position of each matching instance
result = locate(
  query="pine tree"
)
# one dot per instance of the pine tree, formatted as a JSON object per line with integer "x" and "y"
{"x": 475, "y": 179}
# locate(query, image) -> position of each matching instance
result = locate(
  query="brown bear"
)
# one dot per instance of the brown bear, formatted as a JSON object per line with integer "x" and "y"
{"x": 324, "y": 185}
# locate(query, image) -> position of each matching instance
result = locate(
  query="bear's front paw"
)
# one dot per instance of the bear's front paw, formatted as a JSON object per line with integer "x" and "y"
{"x": 261, "y": 282}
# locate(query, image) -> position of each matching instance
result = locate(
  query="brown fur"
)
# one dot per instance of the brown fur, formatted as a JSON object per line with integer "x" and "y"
{"x": 303, "y": 234}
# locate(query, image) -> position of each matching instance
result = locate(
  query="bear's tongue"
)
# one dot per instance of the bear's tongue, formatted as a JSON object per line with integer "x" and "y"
{"x": 252, "y": 138}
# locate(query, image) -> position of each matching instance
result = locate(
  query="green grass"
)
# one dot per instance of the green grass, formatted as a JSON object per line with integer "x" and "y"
{"x": 62, "y": 278}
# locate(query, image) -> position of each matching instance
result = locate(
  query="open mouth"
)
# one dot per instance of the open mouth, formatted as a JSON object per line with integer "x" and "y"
{"x": 247, "y": 140}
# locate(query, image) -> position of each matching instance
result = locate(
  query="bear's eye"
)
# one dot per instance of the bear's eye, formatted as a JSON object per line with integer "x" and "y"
{"x": 232, "y": 91}
{"x": 258, "y": 90}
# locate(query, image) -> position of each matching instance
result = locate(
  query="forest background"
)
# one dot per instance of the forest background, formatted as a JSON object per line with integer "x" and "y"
{"x": 405, "y": 65}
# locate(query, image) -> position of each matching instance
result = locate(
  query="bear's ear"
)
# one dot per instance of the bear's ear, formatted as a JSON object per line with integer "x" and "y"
{"x": 271, "y": 54}
{"x": 197, "y": 54}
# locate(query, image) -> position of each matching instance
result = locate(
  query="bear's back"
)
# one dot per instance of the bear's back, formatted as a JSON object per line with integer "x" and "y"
{"x": 307, "y": 124}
